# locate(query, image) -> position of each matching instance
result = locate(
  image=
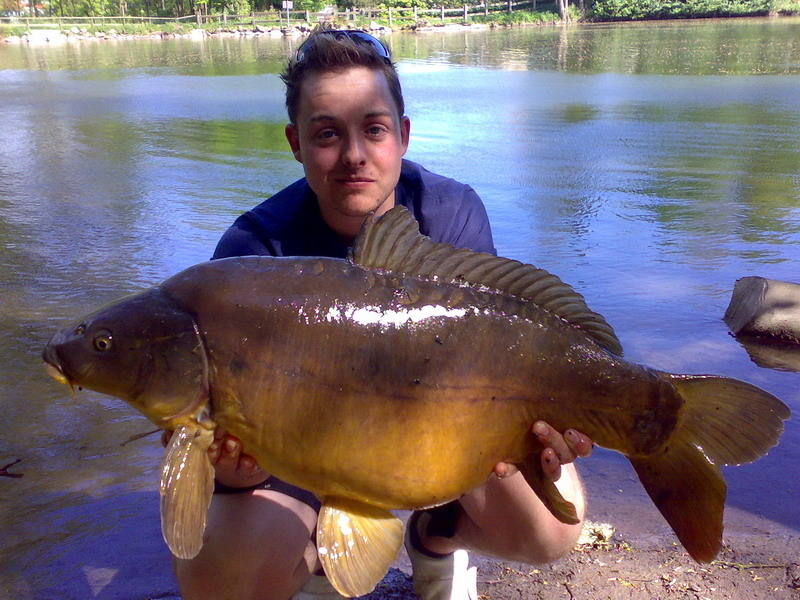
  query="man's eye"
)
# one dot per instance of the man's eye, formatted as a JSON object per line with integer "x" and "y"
{"x": 326, "y": 134}
{"x": 376, "y": 130}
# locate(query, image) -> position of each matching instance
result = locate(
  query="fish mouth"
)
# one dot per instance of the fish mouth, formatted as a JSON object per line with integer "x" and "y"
{"x": 53, "y": 366}
{"x": 56, "y": 373}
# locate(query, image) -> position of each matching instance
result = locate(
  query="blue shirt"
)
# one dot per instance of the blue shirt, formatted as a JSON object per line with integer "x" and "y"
{"x": 290, "y": 223}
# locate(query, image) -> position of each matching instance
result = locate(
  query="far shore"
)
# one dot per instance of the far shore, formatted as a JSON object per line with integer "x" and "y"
{"x": 75, "y": 34}
{"x": 54, "y": 36}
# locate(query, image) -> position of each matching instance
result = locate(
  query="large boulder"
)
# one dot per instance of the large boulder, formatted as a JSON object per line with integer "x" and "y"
{"x": 765, "y": 308}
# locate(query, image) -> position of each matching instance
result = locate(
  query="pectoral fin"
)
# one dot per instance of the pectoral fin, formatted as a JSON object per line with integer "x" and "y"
{"x": 187, "y": 483}
{"x": 547, "y": 491}
{"x": 356, "y": 544}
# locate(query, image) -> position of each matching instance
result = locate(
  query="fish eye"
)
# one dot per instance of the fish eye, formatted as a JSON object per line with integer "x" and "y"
{"x": 102, "y": 341}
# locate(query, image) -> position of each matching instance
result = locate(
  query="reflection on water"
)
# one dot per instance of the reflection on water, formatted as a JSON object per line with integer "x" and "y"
{"x": 700, "y": 47}
{"x": 771, "y": 354}
{"x": 599, "y": 151}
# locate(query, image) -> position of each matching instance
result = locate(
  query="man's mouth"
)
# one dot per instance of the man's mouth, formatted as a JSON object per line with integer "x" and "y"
{"x": 355, "y": 180}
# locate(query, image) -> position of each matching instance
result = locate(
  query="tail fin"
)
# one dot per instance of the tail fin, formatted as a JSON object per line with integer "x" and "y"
{"x": 723, "y": 422}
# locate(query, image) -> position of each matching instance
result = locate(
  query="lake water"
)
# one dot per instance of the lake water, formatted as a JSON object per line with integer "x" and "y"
{"x": 649, "y": 165}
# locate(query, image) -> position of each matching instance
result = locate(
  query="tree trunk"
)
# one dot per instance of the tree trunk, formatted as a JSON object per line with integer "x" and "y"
{"x": 563, "y": 5}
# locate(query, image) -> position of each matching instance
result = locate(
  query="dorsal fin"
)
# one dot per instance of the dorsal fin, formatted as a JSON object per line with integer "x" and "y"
{"x": 393, "y": 243}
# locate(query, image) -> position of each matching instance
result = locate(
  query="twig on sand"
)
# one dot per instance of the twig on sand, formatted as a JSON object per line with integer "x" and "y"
{"x": 139, "y": 436}
{"x": 4, "y": 470}
{"x": 742, "y": 566}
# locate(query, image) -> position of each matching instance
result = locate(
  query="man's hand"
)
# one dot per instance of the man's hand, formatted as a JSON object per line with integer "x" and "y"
{"x": 232, "y": 467}
{"x": 558, "y": 450}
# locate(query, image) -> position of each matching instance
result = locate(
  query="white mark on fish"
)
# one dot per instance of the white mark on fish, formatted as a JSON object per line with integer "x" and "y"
{"x": 375, "y": 315}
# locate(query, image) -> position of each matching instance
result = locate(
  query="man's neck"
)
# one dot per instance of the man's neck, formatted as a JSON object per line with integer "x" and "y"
{"x": 347, "y": 227}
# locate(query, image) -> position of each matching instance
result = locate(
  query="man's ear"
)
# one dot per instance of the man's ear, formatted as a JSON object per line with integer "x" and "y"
{"x": 405, "y": 132}
{"x": 294, "y": 141}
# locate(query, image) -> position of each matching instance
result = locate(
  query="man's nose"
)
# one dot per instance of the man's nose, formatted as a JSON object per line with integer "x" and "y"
{"x": 354, "y": 154}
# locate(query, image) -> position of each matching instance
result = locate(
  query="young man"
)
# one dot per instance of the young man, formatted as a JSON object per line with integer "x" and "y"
{"x": 348, "y": 129}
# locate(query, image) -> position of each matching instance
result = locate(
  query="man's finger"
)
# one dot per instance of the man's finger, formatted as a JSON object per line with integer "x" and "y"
{"x": 231, "y": 448}
{"x": 213, "y": 451}
{"x": 550, "y": 464}
{"x": 579, "y": 443}
{"x": 503, "y": 469}
{"x": 248, "y": 466}
{"x": 550, "y": 438}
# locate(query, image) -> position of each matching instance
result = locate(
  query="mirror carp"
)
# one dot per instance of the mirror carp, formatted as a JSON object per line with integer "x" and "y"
{"x": 398, "y": 379}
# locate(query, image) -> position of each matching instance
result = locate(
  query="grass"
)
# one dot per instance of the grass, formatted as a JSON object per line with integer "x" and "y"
{"x": 7, "y": 30}
{"x": 519, "y": 17}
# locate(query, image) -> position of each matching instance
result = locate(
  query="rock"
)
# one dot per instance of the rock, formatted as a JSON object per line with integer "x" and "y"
{"x": 46, "y": 36}
{"x": 197, "y": 34}
{"x": 766, "y": 308}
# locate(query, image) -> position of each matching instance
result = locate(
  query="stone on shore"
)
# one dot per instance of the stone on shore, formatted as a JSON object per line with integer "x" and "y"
{"x": 45, "y": 36}
{"x": 765, "y": 308}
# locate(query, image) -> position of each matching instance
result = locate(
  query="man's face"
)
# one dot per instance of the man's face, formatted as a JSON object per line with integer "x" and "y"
{"x": 351, "y": 142}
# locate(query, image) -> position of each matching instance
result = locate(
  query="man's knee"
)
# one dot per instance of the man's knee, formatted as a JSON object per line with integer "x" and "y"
{"x": 257, "y": 545}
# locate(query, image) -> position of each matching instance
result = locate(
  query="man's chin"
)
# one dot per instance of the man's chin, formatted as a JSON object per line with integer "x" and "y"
{"x": 356, "y": 207}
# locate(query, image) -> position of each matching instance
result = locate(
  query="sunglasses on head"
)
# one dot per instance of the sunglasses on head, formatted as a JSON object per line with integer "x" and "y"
{"x": 358, "y": 37}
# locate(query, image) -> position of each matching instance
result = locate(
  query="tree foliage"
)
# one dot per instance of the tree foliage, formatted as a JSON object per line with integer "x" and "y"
{"x": 626, "y": 10}
{"x": 164, "y": 8}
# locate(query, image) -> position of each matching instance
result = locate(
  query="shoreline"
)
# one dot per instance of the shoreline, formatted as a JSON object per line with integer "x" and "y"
{"x": 57, "y": 36}
{"x": 53, "y": 36}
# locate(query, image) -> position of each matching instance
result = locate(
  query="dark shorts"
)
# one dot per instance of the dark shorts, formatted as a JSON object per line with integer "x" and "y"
{"x": 443, "y": 522}
{"x": 276, "y": 485}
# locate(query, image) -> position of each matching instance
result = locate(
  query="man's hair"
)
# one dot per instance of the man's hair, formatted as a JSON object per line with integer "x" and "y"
{"x": 325, "y": 52}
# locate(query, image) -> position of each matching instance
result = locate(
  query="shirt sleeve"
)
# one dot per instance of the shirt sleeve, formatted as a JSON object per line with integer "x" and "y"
{"x": 241, "y": 240}
{"x": 472, "y": 229}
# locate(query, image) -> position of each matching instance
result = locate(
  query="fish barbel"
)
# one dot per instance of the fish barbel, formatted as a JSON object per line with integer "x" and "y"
{"x": 398, "y": 379}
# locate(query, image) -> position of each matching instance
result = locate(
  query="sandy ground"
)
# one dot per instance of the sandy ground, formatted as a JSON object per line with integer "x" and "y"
{"x": 653, "y": 567}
